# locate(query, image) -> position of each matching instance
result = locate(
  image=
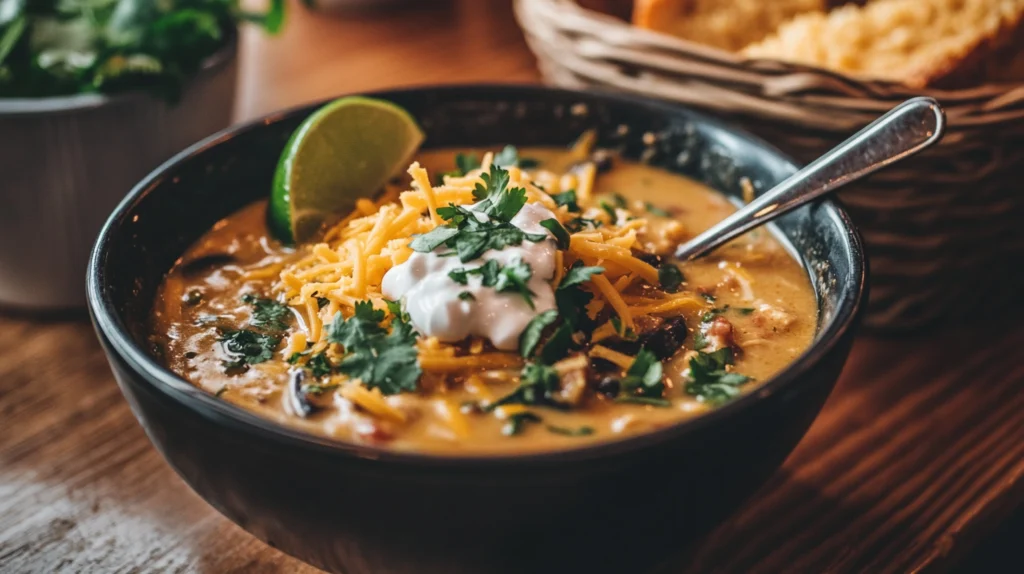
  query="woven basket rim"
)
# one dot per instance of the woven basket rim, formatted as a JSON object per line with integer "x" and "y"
{"x": 615, "y": 31}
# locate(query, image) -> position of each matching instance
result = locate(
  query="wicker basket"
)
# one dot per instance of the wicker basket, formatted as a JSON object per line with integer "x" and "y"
{"x": 944, "y": 230}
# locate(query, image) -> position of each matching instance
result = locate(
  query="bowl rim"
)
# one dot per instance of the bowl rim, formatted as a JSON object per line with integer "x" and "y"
{"x": 114, "y": 333}
{"x": 71, "y": 103}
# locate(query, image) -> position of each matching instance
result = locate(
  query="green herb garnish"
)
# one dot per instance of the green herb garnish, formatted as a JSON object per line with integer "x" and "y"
{"x": 670, "y": 277}
{"x": 247, "y": 347}
{"x": 566, "y": 431}
{"x": 568, "y": 199}
{"x": 531, "y": 335}
{"x": 88, "y": 46}
{"x": 643, "y": 378}
{"x": 467, "y": 234}
{"x": 653, "y": 209}
{"x": 467, "y": 296}
{"x": 537, "y": 385}
{"x": 510, "y": 278}
{"x": 267, "y": 314}
{"x": 711, "y": 382}
{"x": 379, "y": 359}
{"x": 556, "y": 229}
{"x": 517, "y": 422}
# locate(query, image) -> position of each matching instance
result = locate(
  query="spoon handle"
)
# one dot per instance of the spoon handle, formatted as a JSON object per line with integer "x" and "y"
{"x": 905, "y": 130}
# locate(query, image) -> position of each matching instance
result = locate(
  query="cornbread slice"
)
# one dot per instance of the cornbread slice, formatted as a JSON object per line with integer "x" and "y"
{"x": 727, "y": 24}
{"x": 920, "y": 43}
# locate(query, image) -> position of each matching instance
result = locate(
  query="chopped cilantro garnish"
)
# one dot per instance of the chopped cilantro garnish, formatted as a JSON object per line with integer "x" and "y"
{"x": 568, "y": 199}
{"x": 578, "y": 274}
{"x": 432, "y": 240}
{"x": 315, "y": 389}
{"x": 372, "y": 355}
{"x": 466, "y": 162}
{"x": 711, "y": 383}
{"x": 627, "y": 334}
{"x": 710, "y": 314}
{"x": 670, "y": 277}
{"x": 652, "y": 401}
{"x": 643, "y": 378}
{"x": 580, "y": 431}
{"x": 247, "y": 347}
{"x": 531, "y": 335}
{"x": 699, "y": 340}
{"x": 744, "y": 310}
{"x": 619, "y": 201}
{"x": 610, "y": 210}
{"x": 556, "y": 229}
{"x": 507, "y": 157}
{"x": 651, "y": 208}
{"x": 517, "y": 422}
{"x": 510, "y": 278}
{"x": 537, "y": 385}
{"x": 467, "y": 296}
{"x": 319, "y": 365}
{"x": 267, "y": 314}
{"x": 470, "y": 236}
{"x": 580, "y": 223}
{"x": 708, "y": 297}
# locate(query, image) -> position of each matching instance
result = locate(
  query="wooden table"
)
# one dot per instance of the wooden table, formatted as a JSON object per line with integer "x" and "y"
{"x": 918, "y": 455}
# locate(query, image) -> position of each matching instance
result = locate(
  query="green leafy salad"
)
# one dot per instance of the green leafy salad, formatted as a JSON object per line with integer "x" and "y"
{"x": 63, "y": 47}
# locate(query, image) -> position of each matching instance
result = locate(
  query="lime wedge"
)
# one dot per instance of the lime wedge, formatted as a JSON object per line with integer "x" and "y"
{"x": 346, "y": 150}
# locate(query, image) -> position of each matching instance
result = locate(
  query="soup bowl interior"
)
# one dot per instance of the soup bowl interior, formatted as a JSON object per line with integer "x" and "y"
{"x": 617, "y": 506}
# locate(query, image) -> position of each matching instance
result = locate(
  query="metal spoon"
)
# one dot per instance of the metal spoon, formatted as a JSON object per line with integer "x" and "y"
{"x": 905, "y": 130}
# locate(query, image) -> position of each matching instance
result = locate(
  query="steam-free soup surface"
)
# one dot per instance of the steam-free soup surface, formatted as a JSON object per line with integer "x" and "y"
{"x": 755, "y": 299}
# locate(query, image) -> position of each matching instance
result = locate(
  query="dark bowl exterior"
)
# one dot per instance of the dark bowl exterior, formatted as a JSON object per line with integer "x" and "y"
{"x": 616, "y": 507}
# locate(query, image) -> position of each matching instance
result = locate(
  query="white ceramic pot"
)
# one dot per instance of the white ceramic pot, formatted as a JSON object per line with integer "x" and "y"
{"x": 66, "y": 162}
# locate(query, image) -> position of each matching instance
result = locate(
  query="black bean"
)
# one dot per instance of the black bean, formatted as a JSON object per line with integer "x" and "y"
{"x": 667, "y": 339}
{"x": 608, "y": 386}
{"x": 649, "y": 258}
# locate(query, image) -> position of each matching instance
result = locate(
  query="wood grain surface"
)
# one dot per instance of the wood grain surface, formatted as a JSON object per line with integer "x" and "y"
{"x": 917, "y": 457}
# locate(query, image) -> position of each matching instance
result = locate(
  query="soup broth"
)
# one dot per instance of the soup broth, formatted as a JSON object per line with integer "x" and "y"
{"x": 750, "y": 300}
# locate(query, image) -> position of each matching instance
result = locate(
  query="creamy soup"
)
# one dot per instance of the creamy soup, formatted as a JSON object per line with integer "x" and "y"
{"x": 545, "y": 336}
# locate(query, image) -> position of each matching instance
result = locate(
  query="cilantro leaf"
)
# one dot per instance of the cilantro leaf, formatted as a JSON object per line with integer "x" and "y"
{"x": 578, "y": 274}
{"x": 537, "y": 385}
{"x": 653, "y": 209}
{"x": 581, "y": 223}
{"x": 566, "y": 431}
{"x": 644, "y": 377}
{"x": 372, "y": 355}
{"x": 507, "y": 157}
{"x": 467, "y": 296}
{"x": 517, "y": 422}
{"x": 247, "y": 347}
{"x": 670, "y": 277}
{"x": 558, "y": 344}
{"x": 466, "y": 162}
{"x": 619, "y": 201}
{"x": 568, "y": 199}
{"x": 513, "y": 278}
{"x": 531, "y": 335}
{"x": 432, "y": 240}
{"x": 267, "y": 314}
{"x": 358, "y": 329}
{"x": 320, "y": 365}
{"x": 610, "y": 210}
{"x": 711, "y": 383}
{"x": 556, "y": 229}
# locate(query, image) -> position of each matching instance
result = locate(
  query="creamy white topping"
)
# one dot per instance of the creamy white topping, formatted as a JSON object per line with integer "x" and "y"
{"x": 432, "y": 300}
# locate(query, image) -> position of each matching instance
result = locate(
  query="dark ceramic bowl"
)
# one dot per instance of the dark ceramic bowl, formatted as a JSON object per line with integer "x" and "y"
{"x": 615, "y": 507}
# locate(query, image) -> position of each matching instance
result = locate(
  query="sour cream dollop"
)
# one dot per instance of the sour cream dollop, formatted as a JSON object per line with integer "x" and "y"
{"x": 432, "y": 300}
